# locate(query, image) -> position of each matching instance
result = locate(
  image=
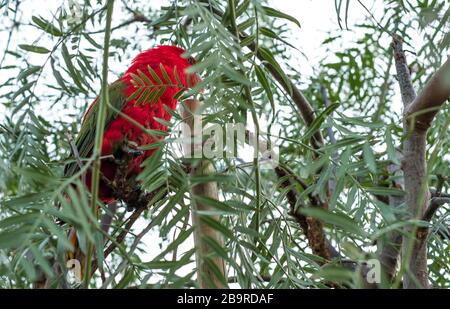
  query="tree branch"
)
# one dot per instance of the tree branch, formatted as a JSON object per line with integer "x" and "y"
{"x": 204, "y": 234}
{"x": 133, "y": 247}
{"x": 435, "y": 203}
{"x": 415, "y": 174}
{"x": 313, "y": 229}
{"x": 426, "y": 105}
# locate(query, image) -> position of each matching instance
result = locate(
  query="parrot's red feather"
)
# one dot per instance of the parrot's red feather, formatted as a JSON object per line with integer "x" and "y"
{"x": 121, "y": 129}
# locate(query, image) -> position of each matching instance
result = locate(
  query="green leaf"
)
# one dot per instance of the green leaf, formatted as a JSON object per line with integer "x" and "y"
{"x": 244, "y": 25}
{"x": 369, "y": 157}
{"x": 126, "y": 279}
{"x": 137, "y": 93}
{"x": 217, "y": 273}
{"x": 334, "y": 273}
{"x": 176, "y": 243}
{"x": 241, "y": 8}
{"x": 34, "y": 49}
{"x": 92, "y": 41}
{"x": 31, "y": 70}
{"x": 41, "y": 261}
{"x": 216, "y": 247}
{"x": 269, "y": 58}
{"x": 165, "y": 74}
{"x": 154, "y": 75}
{"x": 384, "y": 191}
{"x": 13, "y": 239}
{"x": 46, "y": 26}
{"x": 337, "y": 219}
{"x": 391, "y": 152}
{"x": 218, "y": 205}
{"x": 248, "y": 40}
{"x": 235, "y": 75}
{"x": 157, "y": 96}
{"x": 59, "y": 78}
{"x": 216, "y": 225}
{"x": 145, "y": 78}
{"x": 275, "y": 13}
{"x": 177, "y": 77}
{"x": 138, "y": 80}
{"x": 315, "y": 125}
{"x": 265, "y": 84}
{"x": 271, "y": 34}
{"x": 71, "y": 68}
{"x": 22, "y": 89}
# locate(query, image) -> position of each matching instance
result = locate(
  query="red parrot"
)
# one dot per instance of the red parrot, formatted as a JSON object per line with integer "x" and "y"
{"x": 119, "y": 130}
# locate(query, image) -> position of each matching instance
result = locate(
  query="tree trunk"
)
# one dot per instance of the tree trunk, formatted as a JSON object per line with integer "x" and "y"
{"x": 210, "y": 267}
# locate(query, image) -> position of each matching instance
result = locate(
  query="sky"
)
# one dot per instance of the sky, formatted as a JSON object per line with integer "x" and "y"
{"x": 317, "y": 17}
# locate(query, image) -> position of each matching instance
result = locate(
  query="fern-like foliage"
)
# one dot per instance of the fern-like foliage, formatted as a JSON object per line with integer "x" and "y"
{"x": 150, "y": 87}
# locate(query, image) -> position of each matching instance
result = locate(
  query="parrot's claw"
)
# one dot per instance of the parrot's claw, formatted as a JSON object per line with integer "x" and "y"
{"x": 131, "y": 152}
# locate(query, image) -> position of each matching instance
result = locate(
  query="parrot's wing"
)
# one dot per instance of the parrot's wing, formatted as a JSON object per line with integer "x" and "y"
{"x": 86, "y": 136}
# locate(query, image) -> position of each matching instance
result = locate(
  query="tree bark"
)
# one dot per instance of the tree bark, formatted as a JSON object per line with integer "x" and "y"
{"x": 419, "y": 113}
{"x": 208, "y": 263}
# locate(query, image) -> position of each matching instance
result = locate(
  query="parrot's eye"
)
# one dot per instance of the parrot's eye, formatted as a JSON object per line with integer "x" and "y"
{"x": 191, "y": 60}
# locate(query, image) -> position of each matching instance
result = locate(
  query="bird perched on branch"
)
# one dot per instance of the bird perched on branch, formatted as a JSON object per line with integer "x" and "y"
{"x": 147, "y": 91}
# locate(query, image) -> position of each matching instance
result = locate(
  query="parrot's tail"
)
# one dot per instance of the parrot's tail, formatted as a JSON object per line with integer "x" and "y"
{"x": 76, "y": 259}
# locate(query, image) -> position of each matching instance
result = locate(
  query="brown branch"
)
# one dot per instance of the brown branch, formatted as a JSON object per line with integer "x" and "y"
{"x": 403, "y": 75}
{"x": 423, "y": 231}
{"x": 119, "y": 239}
{"x": 418, "y": 116}
{"x": 312, "y": 228}
{"x": 133, "y": 247}
{"x": 415, "y": 175}
{"x": 435, "y": 203}
{"x": 434, "y": 94}
{"x": 437, "y": 193}
{"x": 203, "y": 232}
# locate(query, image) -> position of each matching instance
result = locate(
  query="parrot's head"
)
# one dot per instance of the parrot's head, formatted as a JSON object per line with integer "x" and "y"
{"x": 169, "y": 56}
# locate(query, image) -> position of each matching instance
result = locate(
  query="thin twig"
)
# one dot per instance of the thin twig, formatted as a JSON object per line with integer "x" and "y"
{"x": 133, "y": 247}
{"x": 136, "y": 18}
{"x": 76, "y": 154}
